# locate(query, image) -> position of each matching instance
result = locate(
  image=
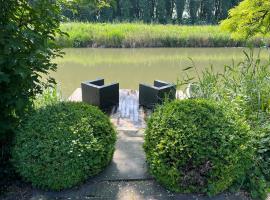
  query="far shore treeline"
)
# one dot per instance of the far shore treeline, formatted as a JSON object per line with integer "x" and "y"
{"x": 153, "y": 11}
{"x": 137, "y": 35}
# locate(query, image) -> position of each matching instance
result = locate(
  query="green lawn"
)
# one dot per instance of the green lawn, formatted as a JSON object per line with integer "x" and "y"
{"x": 142, "y": 35}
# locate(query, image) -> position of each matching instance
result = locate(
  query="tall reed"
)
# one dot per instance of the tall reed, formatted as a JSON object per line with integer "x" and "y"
{"x": 246, "y": 87}
{"x": 132, "y": 35}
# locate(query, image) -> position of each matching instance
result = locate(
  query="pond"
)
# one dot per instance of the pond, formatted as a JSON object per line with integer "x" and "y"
{"x": 130, "y": 67}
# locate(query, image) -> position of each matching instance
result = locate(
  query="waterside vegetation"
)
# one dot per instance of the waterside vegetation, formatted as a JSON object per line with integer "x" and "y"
{"x": 132, "y": 35}
{"x": 244, "y": 86}
{"x": 215, "y": 140}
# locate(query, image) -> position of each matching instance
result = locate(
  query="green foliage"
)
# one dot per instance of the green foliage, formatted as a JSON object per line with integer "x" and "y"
{"x": 158, "y": 11}
{"x": 143, "y": 35}
{"x": 93, "y": 3}
{"x": 197, "y": 146}
{"x": 263, "y": 146}
{"x": 193, "y": 8}
{"x": 248, "y": 19}
{"x": 223, "y": 8}
{"x": 246, "y": 83}
{"x": 258, "y": 177}
{"x": 125, "y": 6}
{"x": 68, "y": 143}
{"x": 207, "y": 9}
{"x": 246, "y": 86}
{"x": 180, "y": 7}
{"x": 48, "y": 97}
{"x": 84, "y": 10}
{"x": 147, "y": 11}
{"x": 161, "y": 11}
{"x": 28, "y": 31}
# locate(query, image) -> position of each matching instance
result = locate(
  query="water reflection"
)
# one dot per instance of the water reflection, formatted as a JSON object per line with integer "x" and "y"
{"x": 129, "y": 67}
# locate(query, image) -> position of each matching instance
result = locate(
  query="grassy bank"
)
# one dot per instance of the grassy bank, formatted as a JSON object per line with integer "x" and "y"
{"x": 132, "y": 35}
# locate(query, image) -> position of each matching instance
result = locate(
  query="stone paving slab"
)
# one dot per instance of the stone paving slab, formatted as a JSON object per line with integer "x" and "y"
{"x": 132, "y": 190}
{"x": 128, "y": 161}
{"x": 131, "y": 132}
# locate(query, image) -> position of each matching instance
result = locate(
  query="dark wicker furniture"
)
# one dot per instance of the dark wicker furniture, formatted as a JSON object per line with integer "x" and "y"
{"x": 97, "y": 94}
{"x": 149, "y": 96}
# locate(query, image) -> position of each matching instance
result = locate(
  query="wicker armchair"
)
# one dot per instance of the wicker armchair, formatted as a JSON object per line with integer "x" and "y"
{"x": 97, "y": 94}
{"x": 149, "y": 96}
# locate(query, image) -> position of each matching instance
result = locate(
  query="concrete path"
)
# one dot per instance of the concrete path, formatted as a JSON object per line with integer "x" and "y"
{"x": 126, "y": 178}
{"x": 128, "y": 161}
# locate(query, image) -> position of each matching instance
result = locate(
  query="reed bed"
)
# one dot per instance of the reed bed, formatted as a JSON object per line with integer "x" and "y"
{"x": 136, "y": 35}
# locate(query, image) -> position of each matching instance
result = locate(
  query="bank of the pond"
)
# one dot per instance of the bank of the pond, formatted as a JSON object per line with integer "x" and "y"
{"x": 130, "y": 67}
{"x": 135, "y": 35}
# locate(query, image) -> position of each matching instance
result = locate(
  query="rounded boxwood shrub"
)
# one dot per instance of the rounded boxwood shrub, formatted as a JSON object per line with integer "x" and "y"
{"x": 61, "y": 145}
{"x": 197, "y": 146}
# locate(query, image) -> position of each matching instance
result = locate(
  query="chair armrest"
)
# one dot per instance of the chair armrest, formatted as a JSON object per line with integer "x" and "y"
{"x": 158, "y": 83}
{"x": 98, "y": 82}
{"x": 167, "y": 86}
{"x": 142, "y": 85}
{"x": 109, "y": 85}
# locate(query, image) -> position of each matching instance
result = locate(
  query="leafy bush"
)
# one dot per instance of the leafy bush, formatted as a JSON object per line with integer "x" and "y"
{"x": 49, "y": 96}
{"x": 61, "y": 145}
{"x": 28, "y": 31}
{"x": 197, "y": 146}
{"x": 257, "y": 179}
{"x": 248, "y": 19}
{"x": 246, "y": 85}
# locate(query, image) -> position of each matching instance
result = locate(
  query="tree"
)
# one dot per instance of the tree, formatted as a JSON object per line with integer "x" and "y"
{"x": 135, "y": 10}
{"x": 85, "y": 13}
{"x": 193, "y": 10}
{"x": 161, "y": 11}
{"x": 28, "y": 31}
{"x": 222, "y": 7}
{"x": 207, "y": 11}
{"x": 248, "y": 19}
{"x": 95, "y": 4}
{"x": 169, "y": 4}
{"x": 106, "y": 14}
{"x": 27, "y": 50}
{"x": 125, "y": 8}
{"x": 146, "y": 10}
{"x": 180, "y": 7}
{"x": 87, "y": 10}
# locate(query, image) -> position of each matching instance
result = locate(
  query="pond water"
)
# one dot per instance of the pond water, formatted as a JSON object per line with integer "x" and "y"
{"x": 129, "y": 67}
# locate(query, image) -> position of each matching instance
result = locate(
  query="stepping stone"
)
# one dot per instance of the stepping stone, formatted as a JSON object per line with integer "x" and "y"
{"x": 129, "y": 162}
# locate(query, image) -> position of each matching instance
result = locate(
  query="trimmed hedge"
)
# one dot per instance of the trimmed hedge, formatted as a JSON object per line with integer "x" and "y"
{"x": 61, "y": 145}
{"x": 197, "y": 146}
